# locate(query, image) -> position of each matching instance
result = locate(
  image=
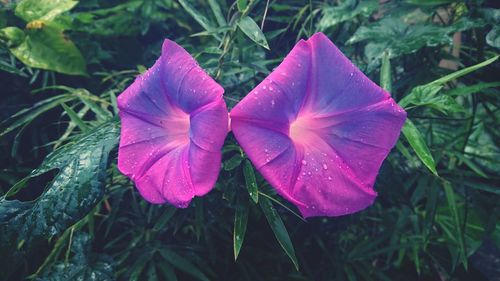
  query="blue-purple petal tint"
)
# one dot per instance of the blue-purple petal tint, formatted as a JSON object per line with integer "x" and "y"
{"x": 318, "y": 129}
{"x": 174, "y": 121}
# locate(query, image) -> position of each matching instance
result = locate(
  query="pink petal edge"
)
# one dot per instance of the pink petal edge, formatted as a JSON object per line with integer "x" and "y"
{"x": 174, "y": 122}
{"x": 318, "y": 129}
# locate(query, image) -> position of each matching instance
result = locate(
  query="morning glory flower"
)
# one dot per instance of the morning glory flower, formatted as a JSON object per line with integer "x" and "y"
{"x": 174, "y": 121}
{"x": 318, "y": 129}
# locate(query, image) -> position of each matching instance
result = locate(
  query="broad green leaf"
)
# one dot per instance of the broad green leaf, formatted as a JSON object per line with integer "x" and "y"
{"x": 278, "y": 228}
{"x": 385, "y": 74}
{"x": 73, "y": 192}
{"x": 417, "y": 142}
{"x": 397, "y": 36}
{"x": 45, "y": 46}
{"x": 27, "y": 115}
{"x": 252, "y": 30}
{"x": 30, "y": 10}
{"x": 250, "y": 181}
{"x": 183, "y": 264}
{"x": 493, "y": 37}
{"x": 11, "y": 36}
{"x": 452, "y": 206}
{"x": 419, "y": 94}
{"x": 242, "y": 5}
{"x": 347, "y": 10}
{"x": 83, "y": 264}
{"x": 240, "y": 225}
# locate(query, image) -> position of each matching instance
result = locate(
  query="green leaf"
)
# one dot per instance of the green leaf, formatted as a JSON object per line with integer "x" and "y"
{"x": 75, "y": 118}
{"x": 214, "y": 5}
{"x": 45, "y": 46}
{"x": 462, "y": 72}
{"x": 493, "y": 37}
{"x": 74, "y": 191}
{"x": 11, "y": 36}
{"x": 182, "y": 264}
{"x": 242, "y": 5}
{"x": 240, "y": 226}
{"x": 347, "y": 10}
{"x": 27, "y": 115}
{"x": 468, "y": 90}
{"x": 252, "y": 30}
{"x": 30, "y": 10}
{"x": 385, "y": 74}
{"x": 250, "y": 181}
{"x": 417, "y": 142}
{"x": 197, "y": 16}
{"x": 83, "y": 264}
{"x": 450, "y": 197}
{"x": 233, "y": 162}
{"x": 279, "y": 230}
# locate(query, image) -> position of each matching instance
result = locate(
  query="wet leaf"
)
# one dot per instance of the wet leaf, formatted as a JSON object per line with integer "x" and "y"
{"x": 279, "y": 229}
{"x": 240, "y": 225}
{"x": 417, "y": 142}
{"x": 83, "y": 264}
{"x": 252, "y": 30}
{"x": 30, "y": 10}
{"x": 73, "y": 192}
{"x": 45, "y": 46}
{"x": 250, "y": 181}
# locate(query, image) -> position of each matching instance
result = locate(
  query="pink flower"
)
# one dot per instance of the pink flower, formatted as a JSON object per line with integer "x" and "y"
{"x": 318, "y": 129}
{"x": 174, "y": 122}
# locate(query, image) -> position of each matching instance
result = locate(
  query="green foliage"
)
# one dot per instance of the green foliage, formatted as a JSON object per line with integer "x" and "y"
{"x": 75, "y": 217}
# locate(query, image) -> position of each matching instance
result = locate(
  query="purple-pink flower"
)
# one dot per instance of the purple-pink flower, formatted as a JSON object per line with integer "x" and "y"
{"x": 318, "y": 129}
{"x": 174, "y": 121}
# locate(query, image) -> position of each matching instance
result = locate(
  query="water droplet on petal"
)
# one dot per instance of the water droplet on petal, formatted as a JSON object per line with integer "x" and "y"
{"x": 325, "y": 167}
{"x": 304, "y": 162}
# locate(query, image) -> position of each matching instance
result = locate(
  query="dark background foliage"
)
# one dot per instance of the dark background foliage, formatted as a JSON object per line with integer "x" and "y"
{"x": 66, "y": 213}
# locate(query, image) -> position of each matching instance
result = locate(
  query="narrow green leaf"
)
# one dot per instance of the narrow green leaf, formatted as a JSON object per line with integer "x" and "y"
{"x": 452, "y": 205}
{"x": 197, "y": 16}
{"x": 385, "y": 73}
{"x": 417, "y": 142}
{"x": 252, "y": 30}
{"x": 183, "y": 264}
{"x": 30, "y": 10}
{"x": 214, "y": 5}
{"x": 250, "y": 181}
{"x": 468, "y": 90}
{"x": 463, "y": 72}
{"x": 240, "y": 225}
{"x": 75, "y": 118}
{"x": 168, "y": 272}
{"x": 25, "y": 116}
{"x": 164, "y": 218}
{"x": 233, "y": 162}
{"x": 279, "y": 230}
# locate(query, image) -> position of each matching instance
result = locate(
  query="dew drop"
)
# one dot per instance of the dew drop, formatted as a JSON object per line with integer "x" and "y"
{"x": 304, "y": 162}
{"x": 329, "y": 178}
{"x": 325, "y": 167}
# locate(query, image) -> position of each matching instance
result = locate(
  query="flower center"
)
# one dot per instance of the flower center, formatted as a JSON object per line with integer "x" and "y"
{"x": 302, "y": 130}
{"x": 177, "y": 126}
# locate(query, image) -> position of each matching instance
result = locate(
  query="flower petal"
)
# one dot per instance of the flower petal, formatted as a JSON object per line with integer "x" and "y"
{"x": 174, "y": 122}
{"x": 321, "y": 142}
